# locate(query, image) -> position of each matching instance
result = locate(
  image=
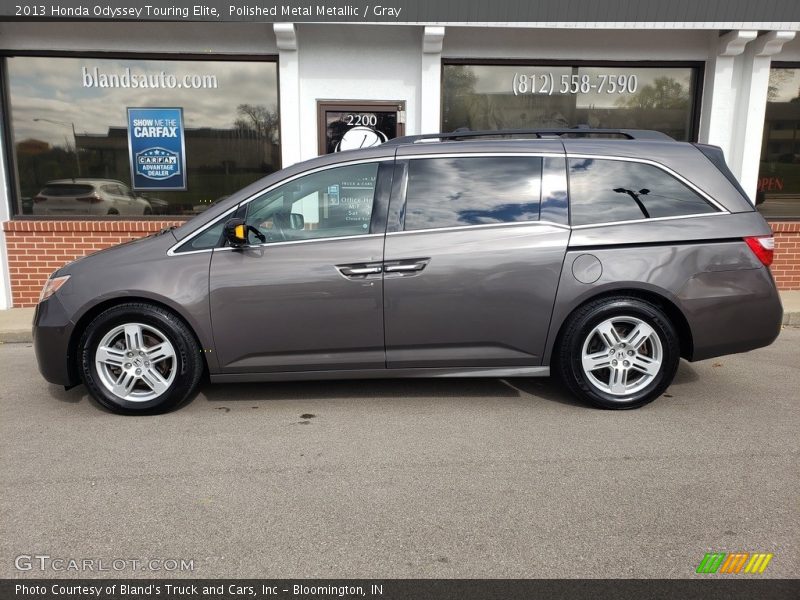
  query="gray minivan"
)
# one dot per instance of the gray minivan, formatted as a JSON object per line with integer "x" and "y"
{"x": 602, "y": 255}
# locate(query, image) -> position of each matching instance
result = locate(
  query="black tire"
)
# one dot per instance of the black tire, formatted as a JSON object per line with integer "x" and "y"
{"x": 113, "y": 211}
{"x": 188, "y": 363}
{"x": 580, "y": 325}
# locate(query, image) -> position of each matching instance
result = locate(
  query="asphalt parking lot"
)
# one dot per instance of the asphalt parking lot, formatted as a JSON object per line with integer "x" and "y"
{"x": 414, "y": 478}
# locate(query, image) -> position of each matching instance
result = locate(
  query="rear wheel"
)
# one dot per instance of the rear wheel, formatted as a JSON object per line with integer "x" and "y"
{"x": 618, "y": 353}
{"x": 138, "y": 358}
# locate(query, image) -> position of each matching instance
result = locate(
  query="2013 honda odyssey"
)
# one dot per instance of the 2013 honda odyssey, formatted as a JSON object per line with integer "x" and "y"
{"x": 604, "y": 256}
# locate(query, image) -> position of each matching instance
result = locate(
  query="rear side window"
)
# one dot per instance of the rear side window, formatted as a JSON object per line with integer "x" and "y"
{"x": 111, "y": 189}
{"x": 455, "y": 192}
{"x": 66, "y": 190}
{"x": 605, "y": 190}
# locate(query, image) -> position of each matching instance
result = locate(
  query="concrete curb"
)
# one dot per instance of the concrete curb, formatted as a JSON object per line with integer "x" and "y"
{"x": 15, "y": 337}
{"x": 24, "y": 336}
{"x": 791, "y": 318}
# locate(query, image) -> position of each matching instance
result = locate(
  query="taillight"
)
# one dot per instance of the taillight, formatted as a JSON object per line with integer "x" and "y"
{"x": 94, "y": 199}
{"x": 763, "y": 247}
{"x": 39, "y": 199}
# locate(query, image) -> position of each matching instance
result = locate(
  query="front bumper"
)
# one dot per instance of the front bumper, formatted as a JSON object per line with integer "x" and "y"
{"x": 52, "y": 329}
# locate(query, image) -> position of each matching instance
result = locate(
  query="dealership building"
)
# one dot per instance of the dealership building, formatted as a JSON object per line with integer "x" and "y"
{"x": 249, "y": 98}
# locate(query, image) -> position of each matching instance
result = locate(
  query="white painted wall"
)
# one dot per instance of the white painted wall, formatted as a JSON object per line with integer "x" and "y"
{"x": 722, "y": 89}
{"x": 790, "y": 51}
{"x": 356, "y": 62}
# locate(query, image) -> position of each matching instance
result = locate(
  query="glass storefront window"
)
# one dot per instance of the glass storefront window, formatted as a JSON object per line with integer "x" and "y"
{"x": 69, "y": 121}
{"x": 483, "y": 97}
{"x": 778, "y": 192}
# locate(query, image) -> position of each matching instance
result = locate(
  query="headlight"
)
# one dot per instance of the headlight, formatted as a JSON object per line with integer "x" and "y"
{"x": 52, "y": 286}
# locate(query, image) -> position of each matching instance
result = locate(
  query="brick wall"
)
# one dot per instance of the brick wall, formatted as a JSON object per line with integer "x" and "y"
{"x": 37, "y": 248}
{"x": 786, "y": 268}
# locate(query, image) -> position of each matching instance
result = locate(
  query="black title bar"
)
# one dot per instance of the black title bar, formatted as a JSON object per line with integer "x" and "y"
{"x": 733, "y": 588}
{"x": 410, "y": 11}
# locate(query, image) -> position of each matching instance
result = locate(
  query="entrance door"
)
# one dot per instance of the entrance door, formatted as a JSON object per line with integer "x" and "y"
{"x": 358, "y": 124}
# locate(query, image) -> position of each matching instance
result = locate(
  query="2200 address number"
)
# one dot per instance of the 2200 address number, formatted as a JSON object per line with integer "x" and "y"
{"x": 548, "y": 84}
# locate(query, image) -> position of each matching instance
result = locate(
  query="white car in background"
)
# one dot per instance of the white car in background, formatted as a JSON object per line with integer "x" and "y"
{"x": 89, "y": 197}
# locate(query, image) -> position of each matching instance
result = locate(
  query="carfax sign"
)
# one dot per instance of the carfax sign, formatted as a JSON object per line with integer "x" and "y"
{"x": 156, "y": 148}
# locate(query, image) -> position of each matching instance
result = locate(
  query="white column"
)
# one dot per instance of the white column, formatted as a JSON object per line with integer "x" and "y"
{"x": 289, "y": 84}
{"x": 5, "y": 197}
{"x": 748, "y": 129}
{"x": 430, "y": 96}
{"x": 720, "y": 89}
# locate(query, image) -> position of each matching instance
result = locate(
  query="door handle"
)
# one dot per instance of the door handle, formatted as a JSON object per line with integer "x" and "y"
{"x": 358, "y": 271}
{"x": 410, "y": 266}
{"x": 404, "y": 268}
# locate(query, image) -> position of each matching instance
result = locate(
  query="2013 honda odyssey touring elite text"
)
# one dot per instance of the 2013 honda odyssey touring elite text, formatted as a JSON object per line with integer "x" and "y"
{"x": 603, "y": 256}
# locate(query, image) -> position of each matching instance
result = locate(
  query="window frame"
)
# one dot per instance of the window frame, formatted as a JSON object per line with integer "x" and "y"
{"x": 383, "y": 186}
{"x": 698, "y": 67}
{"x": 14, "y": 199}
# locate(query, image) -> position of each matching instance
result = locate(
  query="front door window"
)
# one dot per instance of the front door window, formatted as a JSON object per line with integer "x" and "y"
{"x": 334, "y": 202}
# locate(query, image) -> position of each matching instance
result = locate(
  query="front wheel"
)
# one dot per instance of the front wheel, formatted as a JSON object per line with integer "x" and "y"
{"x": 139, "y": 358}
{"x": 618, "y": 353}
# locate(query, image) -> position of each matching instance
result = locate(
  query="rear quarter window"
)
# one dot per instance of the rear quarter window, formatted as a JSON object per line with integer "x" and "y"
{"x": 607, "y": 190}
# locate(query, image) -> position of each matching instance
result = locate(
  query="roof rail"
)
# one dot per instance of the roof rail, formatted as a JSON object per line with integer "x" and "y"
{"x": 463, "y": 133}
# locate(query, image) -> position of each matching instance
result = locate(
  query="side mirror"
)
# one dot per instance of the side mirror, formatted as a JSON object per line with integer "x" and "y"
{"x": 296, "y": 221}
{"x": 235, "y": 232}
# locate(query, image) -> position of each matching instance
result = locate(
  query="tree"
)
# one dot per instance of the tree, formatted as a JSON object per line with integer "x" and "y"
{"x": 258, "y": 119}
{"x": 664, "y": 92}
{"x": 777, "y": 78}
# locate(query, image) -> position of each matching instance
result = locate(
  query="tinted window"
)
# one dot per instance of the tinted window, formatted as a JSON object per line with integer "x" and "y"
{"x": 331, "y": 203}
{"x": 111, "y": 189}
{"x": 603, "y": 191}
{"x": 210, "y": 238}
{"x": 454, "y": 192}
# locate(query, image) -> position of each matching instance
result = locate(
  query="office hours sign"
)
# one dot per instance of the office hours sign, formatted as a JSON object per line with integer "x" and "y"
{"x": 156, "y": 148}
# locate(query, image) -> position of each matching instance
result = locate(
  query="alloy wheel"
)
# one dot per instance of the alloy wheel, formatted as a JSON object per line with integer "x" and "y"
{"x": 135, "y": 362}
{"x": 621, "y": 356}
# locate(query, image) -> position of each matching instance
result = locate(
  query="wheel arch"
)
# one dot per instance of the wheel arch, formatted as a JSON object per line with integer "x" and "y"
{"x": 93, "y": 311}
{"x": 670, "y": 308}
